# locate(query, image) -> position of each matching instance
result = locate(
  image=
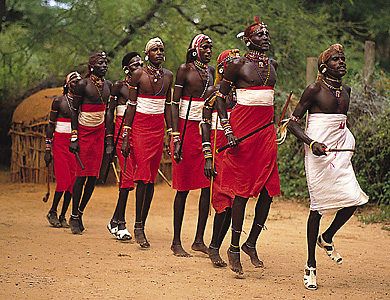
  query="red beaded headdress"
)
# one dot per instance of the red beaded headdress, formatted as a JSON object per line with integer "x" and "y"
{"x": 193, "y": 49}
{"x": 93, "y": 59}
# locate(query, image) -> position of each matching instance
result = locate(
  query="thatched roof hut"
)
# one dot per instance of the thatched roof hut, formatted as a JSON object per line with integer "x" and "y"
{"x": 28, "y": 132}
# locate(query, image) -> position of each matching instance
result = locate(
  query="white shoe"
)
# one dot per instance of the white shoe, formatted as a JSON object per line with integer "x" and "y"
{"x": 112, "y": 230}
{"x": 123, "y": 234}
{"x": 310, "y": 278}
{"x": 329, "y": 249}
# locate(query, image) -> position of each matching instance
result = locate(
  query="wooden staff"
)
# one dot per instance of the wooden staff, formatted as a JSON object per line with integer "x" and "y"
{"x": 246, "y": 136}
{"x": 115, "y": 172}
{"x": 185, "y": 128}
{"x": 163, "y": 177}
{"x": 214, "y": 150}
{"x": 338, "y": 150}
{"x": 46, "y": 197}
{"x": 78, "y": 158}
{"x": 111, "y": 158}
{"x": 284, "y": 111}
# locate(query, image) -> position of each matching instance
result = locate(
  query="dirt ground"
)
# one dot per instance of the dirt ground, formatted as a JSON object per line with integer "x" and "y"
{"x": 41, "y": 262}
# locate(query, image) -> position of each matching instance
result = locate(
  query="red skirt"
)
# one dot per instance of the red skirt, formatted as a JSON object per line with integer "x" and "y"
{"x": 64, "y": 162}
{"x": 126, "y": 179}
{"x": 148, "y": 139}
{"x": 91, "y": 141}
{"x": 222, "y": 198}
{"x": 252, "y": 166}
{"x": 189, "y": 173}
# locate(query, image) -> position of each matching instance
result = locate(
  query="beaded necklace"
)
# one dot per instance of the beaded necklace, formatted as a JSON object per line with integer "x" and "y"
{"x": 258, "y": 56}
{"x": 69, "y": 100}
{"x": 336, "y": 91}
{"x": 258, "y": 72}
{"x": 155, "y": 79}
{"x": 202, "y": 68}
{"x": 127, "y": 81}
{"x": 333, "y": 79}
{"x": 156, "y": 72}
{"x": 98, "y": 82}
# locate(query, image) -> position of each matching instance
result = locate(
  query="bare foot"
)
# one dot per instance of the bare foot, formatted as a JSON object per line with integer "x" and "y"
{"x": 140, "y": 237}
{"x": 234, "y": 262}
{"x": 179, "y": 251}
{"x": 216, "y": 259}
{"x": 253, "y": 255}
{"x": 200, "y": 246}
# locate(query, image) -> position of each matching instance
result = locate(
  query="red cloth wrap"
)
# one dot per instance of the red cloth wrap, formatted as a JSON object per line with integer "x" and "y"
{"x": 125, "y": 179}
{"x": 252, "y": 166}
{"x": 189, "y": 173}
{"x": 91, "y": 142}
{"x": 148, "y": 138}
{"x": 222, "y": 198}
{"x": 64, "y": 161}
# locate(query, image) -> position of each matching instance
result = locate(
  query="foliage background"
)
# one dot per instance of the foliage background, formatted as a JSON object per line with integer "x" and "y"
{"x": 41, "y": 41}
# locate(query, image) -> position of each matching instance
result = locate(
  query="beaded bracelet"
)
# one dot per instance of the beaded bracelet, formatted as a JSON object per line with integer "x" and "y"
{"x": 126, "y": 130}
{"x": 176, "y": 102}
{"x": 207, "y": 150}
{"x": 219, "y": 94}
{"x": 48, "y": 143}
{"x": 178, "y": 85}
{"x": 175, "y": 136}
{"x": 74, "y": 135}
{"x": 312, "y": 143}
{"x": 294, "y": 118}
{"x": 227, "y": 128}
{"x": 131, "y": 102}
{"x": 169, "y": 131}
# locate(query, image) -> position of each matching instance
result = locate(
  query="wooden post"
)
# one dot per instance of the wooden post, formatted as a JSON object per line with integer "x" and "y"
{"x": 369, "y": 64}
{"x": 311, "y": 70}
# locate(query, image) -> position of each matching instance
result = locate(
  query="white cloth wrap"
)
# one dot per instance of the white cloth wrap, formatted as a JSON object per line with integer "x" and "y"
{"x": 150, "y": 105}
{"x": 255, "y": 97}
{"x": 331, "y": 180}
{"x": 120, "y": 110}
{"x": 195, "y": 110}
{"x": 63, "y": 127}
{"x": 213, "y": 118}
{"x": 91, "y": 119}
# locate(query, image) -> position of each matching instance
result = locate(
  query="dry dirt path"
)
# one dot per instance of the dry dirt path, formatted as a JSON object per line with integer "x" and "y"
{"x": 41, "y": 262}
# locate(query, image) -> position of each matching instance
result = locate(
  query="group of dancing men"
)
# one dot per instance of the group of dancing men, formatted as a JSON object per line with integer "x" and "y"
{"x": 206, "y": 112}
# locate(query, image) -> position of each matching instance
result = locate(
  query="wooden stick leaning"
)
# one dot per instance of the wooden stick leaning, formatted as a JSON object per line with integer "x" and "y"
{"x": 214, "y": 152}
{"x": 114, "y": 149}
{"x": 78, "y": 158}
{"x": 163, "y": 177}
{"x": 185, "y": 127}
{"x": 246, "y": 136}
{"x": 46, "y": 197}
{"x": 284, "y": 112}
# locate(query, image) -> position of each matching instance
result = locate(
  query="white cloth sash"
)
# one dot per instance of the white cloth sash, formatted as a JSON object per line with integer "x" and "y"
{"x": 120, "y": 110}
{"x": 195, "y": 109}
{"x": 91, "y": 119}
{"x": 255, "y": 97}
{"x": 331, "y": 180}
{"x": 63, "y": 127}
{"x": 150, "y": 105}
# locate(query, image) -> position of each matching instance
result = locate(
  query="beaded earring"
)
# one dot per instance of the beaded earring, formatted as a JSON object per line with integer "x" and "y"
{"x": 91, "y": 69}
{"x": 127, "y": 71}
{"x": 248, "y": 43}
{"x": 194, "y": 53}
{"x": 146, "y": 57}
{"x": 220, "y": 70}
{"x": 323, "y": 70}
{"x": 164, "y": 58}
